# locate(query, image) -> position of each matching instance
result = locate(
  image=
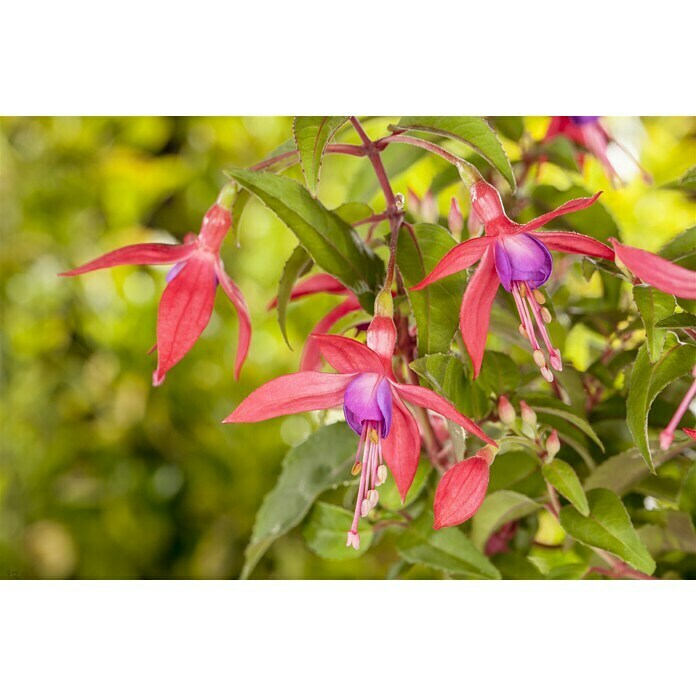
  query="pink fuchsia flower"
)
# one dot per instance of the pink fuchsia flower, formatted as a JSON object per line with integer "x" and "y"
{"x": 373, "y": 405}
{"x": 462, "y": 489}
{"x": 187, "y": 302}
{"x": 518, "y": 257}
{"x": 667, "y": 435}
{"x": 321, "y": 282}
{"x": 656, "y": 271}
{"x": 589, "y": 133}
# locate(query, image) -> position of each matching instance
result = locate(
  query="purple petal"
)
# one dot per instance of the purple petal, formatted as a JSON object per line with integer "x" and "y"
{"x": 368, "y": 398}
{"x": 174, "y": 271}
{"x": 583, "y": 120}
{"x": 522, "y": 257}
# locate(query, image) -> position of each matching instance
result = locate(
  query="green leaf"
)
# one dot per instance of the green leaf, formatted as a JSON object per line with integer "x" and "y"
{"x": 608, "y": 527}
{"x": 297, "y": 265}
{"x": 647, "y": 381}
{"x": 514, "y": 566}
{"x": 553, "y": 407}
{"x": 687, "y": 492}
{"x": 389, "y": 497}
{"x": 517, "y": 470}
{"x": 330, "y": 241}
{"x": 497, "y": 509}
{"x": 686, "y": 183}
{"x": 682, "y": 247}
{"x": 353, "y": 212}
{"x": 326, "y": 530}
{"x": 436, "y": 307}
{"x": 512, "y": 127}
{"x": 563, "y": 478}
{"x": 312, "y": 134}
{"x": 559, "y": 151}
{"x": 674, "y": 533}
{"x": 653, "y": 306}
{"x": 444, "y": 549}
{"x": 449, "y": 376}
{"x": 472, "y": 130}
{"x": 623, "y": 471}
{"x": 499, "y": 373}
{"x": 683, "y": 320}
{"x": 320, "y": 463}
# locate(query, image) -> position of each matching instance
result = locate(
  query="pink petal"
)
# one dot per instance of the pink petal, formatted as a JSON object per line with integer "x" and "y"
{"x": 348, "y": 355}
{"x": 237, "y": 299}
{"x": 138, "y": 254}
{"x": 461, "y": 492}
{"x": 575, "y": 243}
{"x": 456, "y": 259}
{"x": 311, "y": 356}
{"x": 420, "y": 396}
{"x": 568, "y": 207}
{"x": 184, "y": 311}
{"x": 475, "y": 312}
{"x": 401, "y": 448}
{"x": 301, "y": 391}
{"x": 690, "y": 432}
{"x": 656, "y": 271}
{"x": 321, "y": 282}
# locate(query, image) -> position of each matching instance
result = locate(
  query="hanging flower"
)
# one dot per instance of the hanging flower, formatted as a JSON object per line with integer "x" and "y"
{"x": 187, "y": 302}
{"x": 590, "y": 134}
{"x": 518, "y": 257}
{"x": 373, "y": 405}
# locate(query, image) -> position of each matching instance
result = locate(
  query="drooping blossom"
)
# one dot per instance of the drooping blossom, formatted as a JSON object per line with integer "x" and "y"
{"x": 667, "y": 435}
{"x": 187, "y": 301}
{"x": 373, "y": 405}
{"x": 656, "y": 271}
{"x": 462, "y": 489}
{"x": 518, "y": 257}
{"x": 590, "y": 134}
{"x": 321, "y": 282}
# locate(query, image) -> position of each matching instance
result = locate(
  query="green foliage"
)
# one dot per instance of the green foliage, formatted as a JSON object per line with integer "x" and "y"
{"x": 563, "y": 478}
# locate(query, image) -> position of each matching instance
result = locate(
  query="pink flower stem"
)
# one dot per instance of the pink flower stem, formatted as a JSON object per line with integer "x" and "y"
{"x": 333, "y": 148}
{"x": 393, "y": 211}
{"x": 681, "y": 410}
{"x": 468, "y": 172}
{"x": 373, "y": 218}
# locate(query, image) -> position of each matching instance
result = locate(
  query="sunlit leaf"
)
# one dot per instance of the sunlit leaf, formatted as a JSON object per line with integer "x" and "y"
{"x": 327, "y": 528}
{"x": 653, "y": 307}
{"x": 563, "y": 478}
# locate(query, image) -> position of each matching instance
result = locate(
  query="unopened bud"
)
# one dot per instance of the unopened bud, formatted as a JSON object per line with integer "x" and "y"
{"x": 546, "y": 315}
{"x": 506, "y": 411}
{"x": 553, "y": 445}
{"x": 381, "y": 474}
{"x": 455, "y": 219}
{"x": 399, "y": 201}
{"x": 528, "y": 416}
{"x": 384, "y": 304}
{"x": 429, "y": 211}
{"x": 413, "y": 202}
{"x": 539, "y": 358}
{"x": 539, "y": 297}
{"x": 357, "y": 468}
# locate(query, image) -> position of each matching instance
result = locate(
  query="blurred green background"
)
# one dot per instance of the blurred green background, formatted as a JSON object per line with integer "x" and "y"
{"x": 102, "y": 476}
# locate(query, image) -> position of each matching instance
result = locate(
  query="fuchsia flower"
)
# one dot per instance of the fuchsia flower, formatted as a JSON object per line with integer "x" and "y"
{"x": 517, "y": 256}
{"x": 656, "y": 271}
{"x": 372, "y": 404}
{"x": 187, "y": 302}
{"x": 589, "y": 133}
{"x": 321, "y": 282}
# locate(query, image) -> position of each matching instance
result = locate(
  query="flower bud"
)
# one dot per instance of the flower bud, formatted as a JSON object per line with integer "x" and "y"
{"x": 413, "y": 202}
{"x": 528, "y": 416}
{"x": 455, "y": 219}
{"x": 429, "y": 211}
{"x": 461, "y": 491}
{"x": 506, "y": 411}
{"x": 553, "y": 445}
